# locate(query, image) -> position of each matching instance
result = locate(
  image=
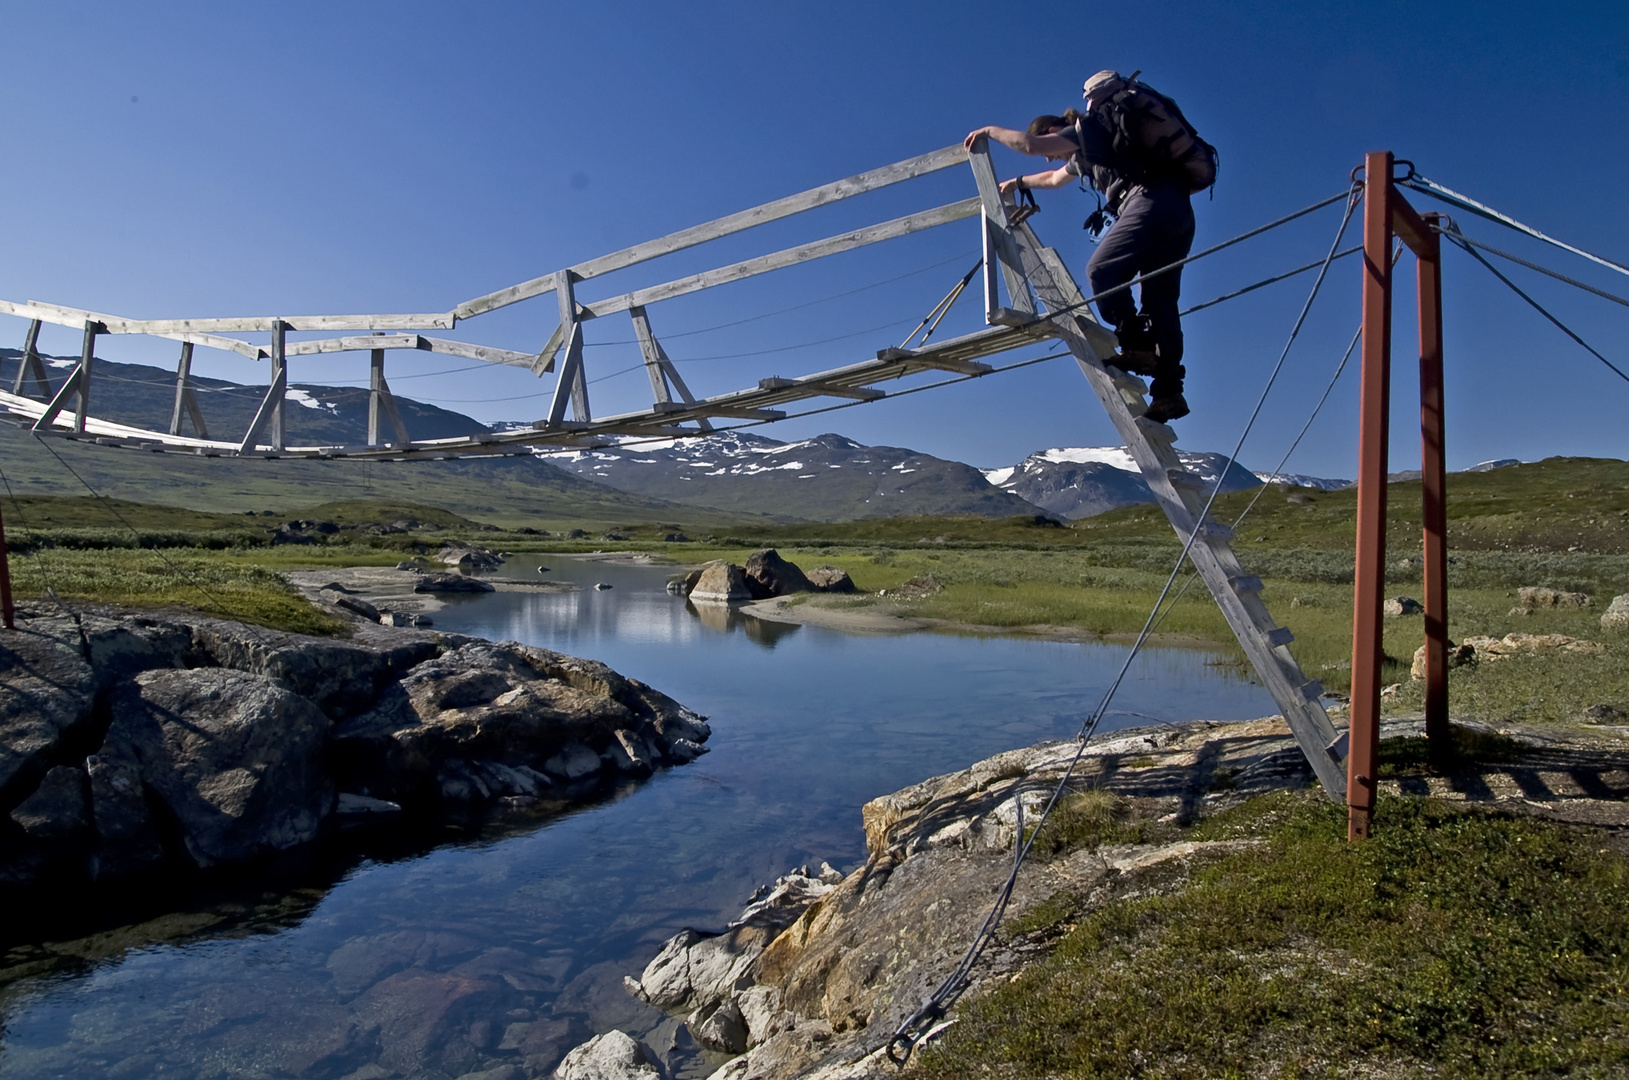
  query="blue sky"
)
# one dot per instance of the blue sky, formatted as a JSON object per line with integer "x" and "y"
{"x": 192, "y": 159}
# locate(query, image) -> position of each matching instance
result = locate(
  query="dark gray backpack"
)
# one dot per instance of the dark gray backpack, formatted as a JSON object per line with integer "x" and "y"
{"x": 1152, "y": 137}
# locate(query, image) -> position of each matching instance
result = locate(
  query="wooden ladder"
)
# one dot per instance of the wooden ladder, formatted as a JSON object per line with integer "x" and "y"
{"x": 1033, "y": 272}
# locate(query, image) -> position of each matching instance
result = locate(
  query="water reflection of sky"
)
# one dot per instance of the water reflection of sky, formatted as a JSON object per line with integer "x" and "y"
{"x": 808, "y": 724}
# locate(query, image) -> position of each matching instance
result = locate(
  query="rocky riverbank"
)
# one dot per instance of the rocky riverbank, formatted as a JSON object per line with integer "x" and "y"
{"x": 134, "y": 745}
{"x": 814, "y": 976}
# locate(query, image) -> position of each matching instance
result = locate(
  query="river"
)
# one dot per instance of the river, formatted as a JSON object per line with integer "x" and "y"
{"x": 508, "y": 946}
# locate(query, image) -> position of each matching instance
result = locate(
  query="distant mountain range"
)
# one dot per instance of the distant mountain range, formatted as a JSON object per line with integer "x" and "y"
{"x": 827, "y": 478}
{"x": 729, "y": 474}
{"x": 1078, "y": 482}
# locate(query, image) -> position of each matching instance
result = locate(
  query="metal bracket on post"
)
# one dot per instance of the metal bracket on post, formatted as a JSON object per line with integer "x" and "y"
{"x": 381, "y": 400}
{"x": 660, "y": 369}
{"x": 185, "y": 400}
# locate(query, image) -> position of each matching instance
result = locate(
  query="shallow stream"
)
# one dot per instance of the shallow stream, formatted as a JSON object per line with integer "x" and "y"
{"x": 509, "y": 948}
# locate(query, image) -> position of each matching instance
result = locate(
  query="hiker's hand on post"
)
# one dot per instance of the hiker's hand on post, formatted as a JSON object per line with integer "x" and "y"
{"x": 973, "y": 137}
{"x": 1009, "y": 186}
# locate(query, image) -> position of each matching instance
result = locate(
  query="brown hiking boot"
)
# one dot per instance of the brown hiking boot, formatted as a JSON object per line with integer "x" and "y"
{"x": 1162, "y": 410}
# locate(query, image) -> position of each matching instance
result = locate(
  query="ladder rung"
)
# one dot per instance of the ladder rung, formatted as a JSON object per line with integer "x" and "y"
{"x": 1279, "y": 635}
{"x": 1216, "y": 530}
{"x": 1182, "y": 478}
{"x": 1312, "y": 691}
{"x": 1245, "y": 583}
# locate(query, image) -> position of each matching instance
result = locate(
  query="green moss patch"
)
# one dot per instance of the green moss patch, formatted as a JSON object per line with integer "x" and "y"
{"x": 1456, "y": 943}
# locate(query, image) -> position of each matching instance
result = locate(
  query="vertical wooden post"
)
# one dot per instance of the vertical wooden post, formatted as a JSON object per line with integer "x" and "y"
{"x": 376, "y": 383}
{"x": 279, "y": 361}
{"x": 571, "y": 384}
{"x": 1434, "y": 488}
{"x": 183, "y": 388}
{"x": 1368, "y": 589}
{"x": 30, "y": 362}
{"x": 86, "y": 355}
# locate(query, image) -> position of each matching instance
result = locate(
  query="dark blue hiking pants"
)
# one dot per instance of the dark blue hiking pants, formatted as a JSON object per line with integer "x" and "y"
{"x": 1153, "y": 229}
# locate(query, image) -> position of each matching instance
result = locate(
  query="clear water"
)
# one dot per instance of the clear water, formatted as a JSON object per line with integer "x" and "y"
{"x": 511, "y": 948}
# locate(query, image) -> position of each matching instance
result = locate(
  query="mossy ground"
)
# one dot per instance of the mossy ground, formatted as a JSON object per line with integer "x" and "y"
{"x": 1456, "y": 943}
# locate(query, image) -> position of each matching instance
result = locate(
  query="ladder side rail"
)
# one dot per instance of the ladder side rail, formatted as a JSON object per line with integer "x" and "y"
{"x": 1245, "y": 613}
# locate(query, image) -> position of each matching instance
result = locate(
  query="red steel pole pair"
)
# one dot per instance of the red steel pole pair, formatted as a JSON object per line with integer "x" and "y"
{"x": 1386, "y": 214}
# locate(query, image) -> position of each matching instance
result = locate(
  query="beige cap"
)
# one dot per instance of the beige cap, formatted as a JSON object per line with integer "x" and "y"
{"x": 1099, "y": 81}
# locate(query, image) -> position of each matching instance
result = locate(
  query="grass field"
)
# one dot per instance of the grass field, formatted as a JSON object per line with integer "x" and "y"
{"x": 1563, "y": 523}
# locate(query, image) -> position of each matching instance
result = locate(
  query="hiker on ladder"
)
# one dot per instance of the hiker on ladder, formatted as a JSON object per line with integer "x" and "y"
{"x": 1139, "y": 153}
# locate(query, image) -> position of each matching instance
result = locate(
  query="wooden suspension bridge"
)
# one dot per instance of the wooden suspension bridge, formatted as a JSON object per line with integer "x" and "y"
{"x": 1029, "y": 297}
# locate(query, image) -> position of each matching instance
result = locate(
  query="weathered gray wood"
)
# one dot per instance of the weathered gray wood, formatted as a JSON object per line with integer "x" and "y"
{"x": 999, "y": 240}
{"x": 268, "y": 324}
{"x": 1150, "y": 446}
{"x": 185, "y": 400}
{"x": 360, "y": 343}
{"x": 31, "y": 364}
{"x": 59, "y": 400}
{"x": 828, "y": 389}
{"x": 660, "y": 369}
{"x": 779, "y": 260}
{"x": 543, "y": 362}
{"x": 381, "y": 400}
{"x": 724, "y": 226}
{"x": 87, "y": 356}
{"x": 571, "y": 369}
{"x": 58, "y": 315}
{"x": 271, "y": 408}
{"x": 477, "y": 352}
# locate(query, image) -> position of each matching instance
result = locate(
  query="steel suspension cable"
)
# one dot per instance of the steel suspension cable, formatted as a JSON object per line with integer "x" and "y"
{"x": 1453, "y": 234}
{"x": 1615, "y": 298}
{"x": 916, "y": 1026}
{"x": 1465, "y": 202}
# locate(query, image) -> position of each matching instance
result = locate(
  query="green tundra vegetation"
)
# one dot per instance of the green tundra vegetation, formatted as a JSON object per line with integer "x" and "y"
{"x": 1562, "y": 523}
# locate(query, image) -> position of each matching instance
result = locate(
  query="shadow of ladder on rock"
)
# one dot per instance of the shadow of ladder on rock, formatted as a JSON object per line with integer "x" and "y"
{"x": 1025, "y": 265}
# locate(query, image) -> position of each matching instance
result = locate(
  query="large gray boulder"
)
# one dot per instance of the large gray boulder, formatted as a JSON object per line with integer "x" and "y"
{"x": 612, "y": 1056}
{"x": 721, "y": 583}
{"x": 236, "y": 759}
{"x": 769, "y": 575}
{"x": 1616, "y": 616}
{"x": 451, "y": 583}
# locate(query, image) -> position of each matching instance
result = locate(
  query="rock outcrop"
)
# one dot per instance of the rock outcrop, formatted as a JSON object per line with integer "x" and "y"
{"x": 766, "y": 575}
{"x": 133, "y": 743}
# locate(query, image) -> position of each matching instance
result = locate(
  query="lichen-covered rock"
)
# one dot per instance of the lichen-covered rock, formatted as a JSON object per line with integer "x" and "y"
{"x": 830, "y": 579}
{"x": 769, "y": 575}
{"x": 1492, "y": 648}
{"x": 1533, "y": 597}
{"x": 1458, "y": 656}
{"x": 1616, "y": 616}
{"x": 1398, "y": 606}
{"x": 721, "y": 583}
{"x": 236, "y": 759}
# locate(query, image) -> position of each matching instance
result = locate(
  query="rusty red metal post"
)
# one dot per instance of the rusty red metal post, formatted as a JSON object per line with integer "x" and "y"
{"x": 1369, "y": 578}
{"x": 1434, "y": 489}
